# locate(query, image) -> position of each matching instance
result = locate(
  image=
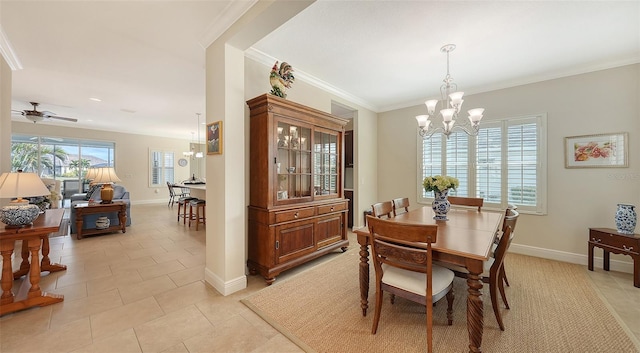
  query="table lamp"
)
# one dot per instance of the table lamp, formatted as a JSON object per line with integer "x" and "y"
{"x": 91, "y": 174}
{"x": 106, "y": 176}
{"x": 19, "y": 212}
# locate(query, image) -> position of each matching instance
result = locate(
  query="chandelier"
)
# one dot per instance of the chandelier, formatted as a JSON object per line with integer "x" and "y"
{"x": 190, "y": 153}
{"x": 451, "y": 103}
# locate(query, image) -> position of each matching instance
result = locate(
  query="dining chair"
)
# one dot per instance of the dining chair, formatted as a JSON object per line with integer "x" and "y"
{"x": 507, "y": 212}
{"x": 399, "y": 205}
{"x": 402, "y": 259}
{"x": 382, "y": 209}
{"x": 494, "y": 267}
{"x": 467, "y": 201}
{"x": 172, "y": 194}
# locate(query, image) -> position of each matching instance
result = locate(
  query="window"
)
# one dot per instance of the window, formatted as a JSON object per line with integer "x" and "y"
{"x": 161, "y": 168}
{"x": 505, "y": 163}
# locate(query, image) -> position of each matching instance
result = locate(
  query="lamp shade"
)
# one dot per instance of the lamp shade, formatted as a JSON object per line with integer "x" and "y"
{"x": 21, "y": 184}
{"x": 106, "y": 175}
{"x": 91, "y": 174}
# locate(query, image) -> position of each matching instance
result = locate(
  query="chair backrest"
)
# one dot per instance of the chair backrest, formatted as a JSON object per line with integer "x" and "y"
{"x": 508, "y": 226}
{"x": 171, "y": 193}
{"x": 405, "y": 246}
{"x": 467, "y": 201}
{"x": 382, "y": 209}
{"x": 400, "y": 206}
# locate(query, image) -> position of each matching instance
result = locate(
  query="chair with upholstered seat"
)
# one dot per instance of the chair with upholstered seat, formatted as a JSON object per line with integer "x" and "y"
{"x": 400, "y": 206}
{"x": 466, "y": 201}
{"x": 402, "y": 258}
{"x": 493, "y": 273}
{"x": 382, "y": 209}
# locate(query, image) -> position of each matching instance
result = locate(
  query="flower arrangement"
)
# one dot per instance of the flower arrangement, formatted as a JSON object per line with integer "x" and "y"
{"x": 439, "y": 183}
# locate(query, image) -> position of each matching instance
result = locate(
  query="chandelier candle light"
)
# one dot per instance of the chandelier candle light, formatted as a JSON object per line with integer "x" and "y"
{"x": 452, "y": 103}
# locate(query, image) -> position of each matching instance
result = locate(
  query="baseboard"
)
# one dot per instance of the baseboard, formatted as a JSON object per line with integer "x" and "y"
{"x": 225, "y": 288}
{"x": 616, "y": 265}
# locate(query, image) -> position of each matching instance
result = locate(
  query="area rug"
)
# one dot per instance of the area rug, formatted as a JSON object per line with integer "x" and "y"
{"x": 554, "y": 308}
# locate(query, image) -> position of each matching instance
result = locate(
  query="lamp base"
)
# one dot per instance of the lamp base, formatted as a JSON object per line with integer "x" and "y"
{"x": 106, "y": 193}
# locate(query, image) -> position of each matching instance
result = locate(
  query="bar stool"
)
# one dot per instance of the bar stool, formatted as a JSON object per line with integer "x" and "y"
{"x": 199, "y": 217}
{"x": 182, "y": 208}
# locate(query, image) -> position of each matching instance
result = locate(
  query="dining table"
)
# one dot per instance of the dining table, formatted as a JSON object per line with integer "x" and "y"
{"x": 465, "y": 239}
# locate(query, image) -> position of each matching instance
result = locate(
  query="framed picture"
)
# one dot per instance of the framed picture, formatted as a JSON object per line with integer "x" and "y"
{"x": 596, "y": 151}
{"x": 214, "y": 138}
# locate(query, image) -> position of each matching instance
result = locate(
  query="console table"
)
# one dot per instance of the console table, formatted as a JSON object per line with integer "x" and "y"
{"x": 86, "y": 208}
{"x": 31, "y": 235}
{"x": 610, "y": 241}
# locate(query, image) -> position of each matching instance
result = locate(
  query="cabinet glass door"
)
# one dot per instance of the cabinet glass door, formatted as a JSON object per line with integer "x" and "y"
{"x": 325, "y": 164}
{"x": 293, "y": 162}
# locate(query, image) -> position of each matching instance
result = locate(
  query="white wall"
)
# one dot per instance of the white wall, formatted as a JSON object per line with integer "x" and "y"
{"x": 5, "y": 119}
{"x": 593, "y": 103}
{"x": 132, "y": 155}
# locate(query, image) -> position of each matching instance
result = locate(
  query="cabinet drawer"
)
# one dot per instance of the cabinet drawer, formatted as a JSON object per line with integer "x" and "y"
{"x": 334, "y": 207}
{"x": 629, "y": 244}
{"x": 293, "y": 215}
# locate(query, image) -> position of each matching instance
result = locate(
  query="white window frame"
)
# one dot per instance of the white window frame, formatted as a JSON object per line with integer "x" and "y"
{"x": 164, "y": 176}
{"x": 541, "y": 165}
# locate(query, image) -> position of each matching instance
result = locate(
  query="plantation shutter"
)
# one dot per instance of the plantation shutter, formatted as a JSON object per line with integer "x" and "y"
{"x": 522, "y": 162}
{"x": 431, "y": 162}
{"x": 489, "y": 163}
{"x": 457, "y": 162}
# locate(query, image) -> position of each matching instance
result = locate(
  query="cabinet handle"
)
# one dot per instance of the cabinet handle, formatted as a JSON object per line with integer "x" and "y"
{"x": 596, "y": 240}
{"x": 277, "y": 244}
{"x": 627, "y": 249}
{"x": 295, "y": 215}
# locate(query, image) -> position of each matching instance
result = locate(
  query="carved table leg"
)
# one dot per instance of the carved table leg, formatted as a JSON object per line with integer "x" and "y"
{"x": 24, "y": 265}
{"x": 475, "y": 321}
{"x": 34, "y": 273}
{"x": 364, "y": 275}
{"x": 122, "y": 218}
{"x": 45, "y": 264}
{"x": 78, "y": 224}
{"x": 7, "y": 276}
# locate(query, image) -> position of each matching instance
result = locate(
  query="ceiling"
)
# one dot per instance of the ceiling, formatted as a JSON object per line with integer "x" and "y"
{"x": 145, "y": 59}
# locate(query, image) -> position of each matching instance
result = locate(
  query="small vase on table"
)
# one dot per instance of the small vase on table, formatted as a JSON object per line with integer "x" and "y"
{"x": 441, "y": 205}
{"x": 626, "y": 218}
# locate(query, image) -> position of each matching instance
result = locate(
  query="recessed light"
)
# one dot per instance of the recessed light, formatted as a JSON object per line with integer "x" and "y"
{"x": 96, "y": 99}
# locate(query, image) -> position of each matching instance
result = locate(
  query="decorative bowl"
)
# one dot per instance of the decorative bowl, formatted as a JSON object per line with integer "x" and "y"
{"x": 19, "y": 215}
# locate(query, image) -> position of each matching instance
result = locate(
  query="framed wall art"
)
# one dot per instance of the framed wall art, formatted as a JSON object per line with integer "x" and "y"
{"x": 214, "y": 138}
{"x": 597, "y": 151}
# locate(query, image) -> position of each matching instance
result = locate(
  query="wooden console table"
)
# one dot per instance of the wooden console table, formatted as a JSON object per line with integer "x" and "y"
{"x": 85, "y": 208}
{"x": 610, "y": 241}
{"x": 31, "y": 235}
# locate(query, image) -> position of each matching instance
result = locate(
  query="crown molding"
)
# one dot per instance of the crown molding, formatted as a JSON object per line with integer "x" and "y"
{"x": 224, "y": 20}
{"x": 268, "y": 60}
{"x": 8, "y": 53}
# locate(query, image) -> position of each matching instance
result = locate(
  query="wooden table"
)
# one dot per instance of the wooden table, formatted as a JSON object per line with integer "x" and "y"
{"x": 32, "y": 236}
{"x": 464, "y": 240}
{"x": 609, "y": 240}
{"x": 86, "y": 208}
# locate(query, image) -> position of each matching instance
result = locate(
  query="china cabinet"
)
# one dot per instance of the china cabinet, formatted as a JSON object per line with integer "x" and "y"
{"x": 297, "y": 211}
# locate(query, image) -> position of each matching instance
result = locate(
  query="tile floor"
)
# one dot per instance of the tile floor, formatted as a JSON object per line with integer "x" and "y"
{"x": 143, "y": 291}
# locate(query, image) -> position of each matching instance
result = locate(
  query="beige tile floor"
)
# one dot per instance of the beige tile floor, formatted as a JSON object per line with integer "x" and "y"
{"x": 143, "y": 291}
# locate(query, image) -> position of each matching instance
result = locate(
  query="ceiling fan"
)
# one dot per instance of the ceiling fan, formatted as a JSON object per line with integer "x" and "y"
{"x": 36, "y": 116}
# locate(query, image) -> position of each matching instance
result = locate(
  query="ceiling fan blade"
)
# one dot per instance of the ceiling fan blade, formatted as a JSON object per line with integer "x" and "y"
{"x": 48, "y": 113}
{"x": 62, "y": 118}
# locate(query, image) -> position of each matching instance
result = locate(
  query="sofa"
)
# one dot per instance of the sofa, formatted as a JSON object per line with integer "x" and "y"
{"x": 120, "y": 193}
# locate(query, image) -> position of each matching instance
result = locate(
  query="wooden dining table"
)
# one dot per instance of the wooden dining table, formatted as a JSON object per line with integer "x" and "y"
{"x": 465, "y": 239}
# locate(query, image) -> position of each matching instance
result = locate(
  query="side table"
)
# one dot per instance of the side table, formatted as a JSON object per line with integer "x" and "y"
{"x": 610, "y": 241}
{"x": 86, "y": 208}
{"x": 31, "y": 235}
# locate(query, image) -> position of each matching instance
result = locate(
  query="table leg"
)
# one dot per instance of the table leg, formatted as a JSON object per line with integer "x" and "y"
{"x": 605, "y": 260}
{"x": 122, "y": 218}
{"x": 7, "y": 277}
{"x": 46, "y": 264}
{"x": 590, "y": 257}
{"x": 364, "y": 274}
{"x": 636, "y": 271}
{"x": 24, "y": 265}
{"x": 475, "y": 320}
{"x": 34, "y": 275}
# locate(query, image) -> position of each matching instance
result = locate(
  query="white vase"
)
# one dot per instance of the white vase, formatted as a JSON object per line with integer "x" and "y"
{"x": 441, "y": 205}
{"x": 102, "y": 223}
{"x": 626, "y": 218}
